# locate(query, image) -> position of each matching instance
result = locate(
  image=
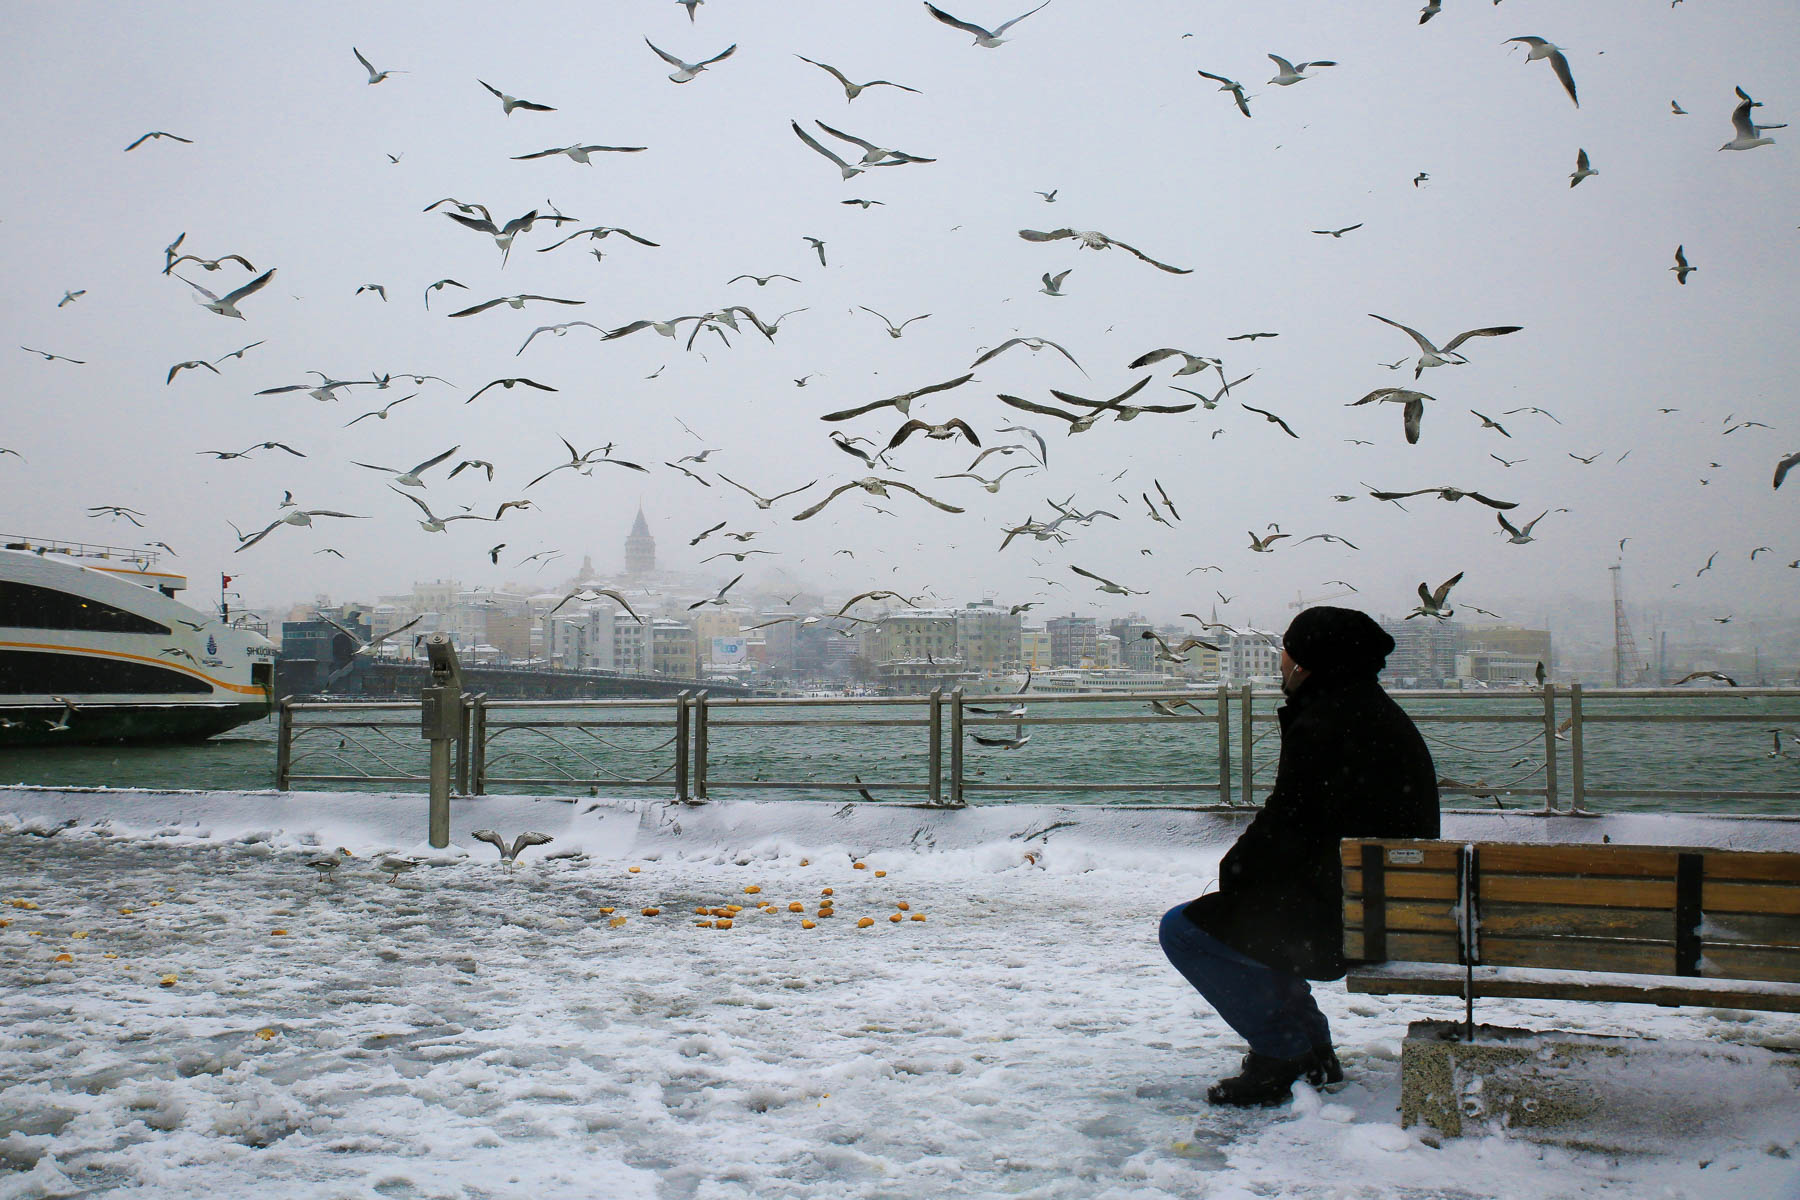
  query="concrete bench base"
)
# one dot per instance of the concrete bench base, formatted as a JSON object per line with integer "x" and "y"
{"x": 1585, "y": 1091}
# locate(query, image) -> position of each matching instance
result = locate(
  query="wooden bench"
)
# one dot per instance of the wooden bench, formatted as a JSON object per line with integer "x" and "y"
{"x": 1636, "y": 924}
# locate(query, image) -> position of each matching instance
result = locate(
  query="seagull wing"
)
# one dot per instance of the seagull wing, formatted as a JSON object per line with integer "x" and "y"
{"x": 478, "y": 308}
{"x": 954, "y": 23}
{"x": 487, "y": 835}
{"x": 479, "y": 224}
{"x": 921, "y": 495}
{"x": 1054, "y": 235}
{"x": 906, "y": 431}
{"x": 432, "y": 462}
{"x": 834, "y": 72}
{"x": 721, "y": 56}
{"x": 814, "y": 143}
{"x": 848, "y": 137}
{"x": 789, "y": 492}
{"x": 209, "y": 295}
{"x": 1161, "y": 266}
{"x": 817, "y": 508}
{"x": 1415, "y": 335}
{"x": 1490, "y": 502}
{"x": 367, "y": 66}
{"x": 846, "y": 414}
{"x": 1490, "y": 331}
{"x": 1560, "y": 65}
{"x": 1091, "y": 575}
{"x": 666, "y": 56}
{"x": 1005, "y": 25}
{"x": 1044, "y": 409}
{"x": 1272, "y": 417}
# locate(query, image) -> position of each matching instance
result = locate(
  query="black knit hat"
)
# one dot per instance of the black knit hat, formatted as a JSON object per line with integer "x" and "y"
{"x": 1328, "y": 640}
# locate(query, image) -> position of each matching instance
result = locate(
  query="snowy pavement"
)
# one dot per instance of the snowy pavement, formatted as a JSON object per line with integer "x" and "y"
{"x": 191, "y": 1012}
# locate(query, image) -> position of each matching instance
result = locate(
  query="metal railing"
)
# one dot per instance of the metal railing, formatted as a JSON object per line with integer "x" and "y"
{"x": 695, "y": 745}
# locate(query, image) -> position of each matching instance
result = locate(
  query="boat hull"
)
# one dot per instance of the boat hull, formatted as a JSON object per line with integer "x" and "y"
{"x": 115, "y": 724}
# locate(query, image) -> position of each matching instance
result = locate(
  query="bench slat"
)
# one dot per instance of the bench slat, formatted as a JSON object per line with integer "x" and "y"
{"x": 1771, "y": 964}
{"x": 1403, "y": 946}
{"x": 1415, "y": 854}
{"x": 1749, "y": 866}
{"x": 1418, "y": 916}
{"x": 1426, "y": 979}
{"x": 1407, "y": 885}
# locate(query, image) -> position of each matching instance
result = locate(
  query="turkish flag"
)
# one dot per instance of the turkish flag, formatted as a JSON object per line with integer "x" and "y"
{"x": 224, "y": 582}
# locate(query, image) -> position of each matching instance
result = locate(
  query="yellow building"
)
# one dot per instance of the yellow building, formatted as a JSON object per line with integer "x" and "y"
{"x": 1034, "y": 649}
{"x": 672, "y": 649}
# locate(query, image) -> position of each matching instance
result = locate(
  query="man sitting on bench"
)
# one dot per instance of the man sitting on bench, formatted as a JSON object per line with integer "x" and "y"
{"x": 1352, "y": 765}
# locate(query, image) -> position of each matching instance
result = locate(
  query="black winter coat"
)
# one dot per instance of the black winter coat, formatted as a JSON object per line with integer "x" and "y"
{"x": 1352, "y": 765}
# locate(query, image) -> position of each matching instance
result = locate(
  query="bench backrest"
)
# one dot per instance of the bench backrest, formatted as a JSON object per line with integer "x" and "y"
{"x": 1652, "y": 910}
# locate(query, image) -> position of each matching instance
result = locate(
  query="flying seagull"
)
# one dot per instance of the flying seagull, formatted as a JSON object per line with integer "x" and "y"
{"x": 943, "y": 432}
{"x": 1539, "y": 48}
{"x": 1338, "y": 233}
{"x": 762, "y": 280}
{"x": 1269, "y": 417}
{"x": 1431, "y": 601}
{"x": 585, "y": 461}
{"x": 374, "y": 75}
{"x": 685, "y": 71}
{"x": 894, "y": 330}
{"x": 1412, "y": 412}
{"x": 992, "y": 485}
{"x": 508, "y": 383}
{"x": 578, "y": 152}
{"x": 157, "y": 133}
{"x": 511, "y": 102}
{"x": 1747, "y": 134}
{"x": 410, "y": 476}
{"x": 988, "y": 39}
{"x": 1094, "y": 240}
{"x": 1431, "y": 356}
{"x": 585, "y": 595}
{"x": 600, "y": 233}
{"x": 226, "y": 306}
{"x": 515, "y": 301}
{"x": 1053, "y": 283}
{"x": 49, "y": 357}
{"x": 1785, "y": 465}
{"x": 763, "y": 502}
{"x": 1582, "y": 170}
{"x": 1230, "y": 85}
{"x": 190, "y": 364}
{"x": 502, "y": 234}
{"x": 558, "y": 330}
{"x": 1681, "y": 268}
{"x": 1033, "y": 344}
{"x": 1451, "y": 494}
{"x": 1191, "y": 364}
{"x": 853, "y": 90}
{"x": 901, "y": 402}
{"x": 873, "y": 155}
{"x": 875, "y": 487}
{"x": 300, "y": 516}
{"x": 844, "y": 168}
{"x": 1518, "y": 535}
{"x": 1287, "y": 74}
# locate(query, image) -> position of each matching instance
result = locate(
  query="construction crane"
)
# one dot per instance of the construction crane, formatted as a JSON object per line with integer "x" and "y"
{"x": 1300, "y": 601}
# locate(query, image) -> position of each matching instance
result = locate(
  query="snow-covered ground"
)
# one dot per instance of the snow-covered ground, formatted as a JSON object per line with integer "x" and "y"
{"x": 186, "y": 1009}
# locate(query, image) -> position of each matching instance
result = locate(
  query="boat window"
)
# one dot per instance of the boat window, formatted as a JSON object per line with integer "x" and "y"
{"x": 27, "y": 673}
{"x": 27, "y": 606}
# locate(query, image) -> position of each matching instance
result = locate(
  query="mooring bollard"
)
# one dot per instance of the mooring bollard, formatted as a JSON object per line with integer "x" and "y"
{"x": 441, "y": 723}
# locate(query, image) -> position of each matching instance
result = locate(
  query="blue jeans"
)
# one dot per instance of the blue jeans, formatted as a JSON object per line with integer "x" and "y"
{"x": 1271, "y": 1009}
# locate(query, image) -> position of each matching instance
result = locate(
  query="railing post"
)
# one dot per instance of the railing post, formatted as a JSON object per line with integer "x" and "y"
{"x": 478, "y": 747}
{"x": 956, "y": 746}
{"x": 465, "y": 724}
{"x": 681, "y": 747}
{"x": 700, "y": 746}
{"x": 1224, "y": 719}
{"x": 935, "y": 750}
{"x": 1247, "y": 735}
{"x": 284, "y": 744}
{"x": 1549, "y": 748}
{"x": 1577, "y": 765}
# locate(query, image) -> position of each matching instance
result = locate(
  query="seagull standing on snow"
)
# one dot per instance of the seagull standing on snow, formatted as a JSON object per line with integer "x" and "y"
{"x": 508, "y": 853}
{"x": 987, "y": 39}
{"x": 1539, "y": 48}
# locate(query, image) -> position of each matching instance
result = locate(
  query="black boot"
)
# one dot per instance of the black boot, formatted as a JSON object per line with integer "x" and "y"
{"x": 1263, "y": 1082}
{"x": 1323, "y": 1067}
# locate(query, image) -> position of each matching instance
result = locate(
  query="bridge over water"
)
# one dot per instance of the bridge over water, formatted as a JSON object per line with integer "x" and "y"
{"x": 377, "y": 680}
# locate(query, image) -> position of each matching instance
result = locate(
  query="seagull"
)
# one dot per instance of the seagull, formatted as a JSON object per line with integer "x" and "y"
{"x": 374, "y": 75}
{"x": 70, "y": 708}
{"x": 1035, "y": 436}
{"x": 1421, "y": 177}
{"x": 1288, "y": 74}
{"x": 70, "y": 297}
{"x": 229, "y": 454}
{"x": 600, "y": 233}
{"x": 987, "y": 39}
{"x": 1095, "y": 240}
{"x": 943, "y": 432}
{"x": 1451, "y": 494}
{"x": 1190, "y": 363}
{"x": 875, "y": 487}
{"x": 117, "y": 510}
{"x": 1328, "y": 537}
{"x": 1489, "y": 423}
{"x": 1107, "y": 585}
{"x": 470, "y": 464}
{"x": 690, "y": 5}
{"x": 894, "y": 330}
{"x": 1681, "y": 268}
{"x": 992, "y": 485}
{"x": 586, "y": 595}
{"x": 1541, "y": 411}
{"x": 49, "y": 357}
{"x": 157, "y": 133}
{"x": 579, "y": 152}
{"x": 1230, "y": 85}
{"x": 508, "y": 383}
{"x": 853, "y": 90}
{"x": 585, "y": 461}
{"x": 1262, "y": 545}
{"x": 818, "y": 245}
{"x": 1431, "y": 602}
{"x": 1586, "y": 460}
{"x": 762, "y": 502}
{"x": 1412, "y": 412}
{"x": 410, "y": 477}
{"x": 1748, "y": 134}
{"x": 1053, "y": 283}
{"x": 503, "y": 235}
{"x": 719, "y": 597}
{"x": 1049, "y": 196}
{"x": 1338, "y": 233}
{"x": 1034, "y": 344}
{"x": 1718, "y": 675}
{"x": 1539, "y": 48}
{"x": 515, "y": 301}
{"x": 844, "y": 168}
{"x": 1211, "y": 402}
{"x": 1675, "y": 109}
{"x": 1431, "y": 356}
{"x": 373, "y": 287}
{"x": 1506, "y": 462}
{"x": 508, "y": 103}
{"x": 393, "y": 864}
{"x": 1785, "y": 465}
{"x": 226, "y": 306}
{"x": 1078, "y": 422}
{"x": 509, "y": 853}
{"x": 434, "y": 523}
{"x": 326, "y": 864}
{"x": 763, "y": 281}
{"x": 686, "y": 71}
{"x": 901, "y": 402}
{"x": 736, "y": 555}
{"x": 873, "y": 155}
{"x": 1270, "y": 417}
{"x": 865, "y": 203}
{"x": 1582, "y": 170}
{"x": 1518, "y": 535}
{"x": 558, "y": 330}
{"x": 1117, "y": 406}
{"x": 299, "y": 516}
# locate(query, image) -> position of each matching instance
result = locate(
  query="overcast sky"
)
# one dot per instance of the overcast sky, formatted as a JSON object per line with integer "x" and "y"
{"x": 289, "y": 166}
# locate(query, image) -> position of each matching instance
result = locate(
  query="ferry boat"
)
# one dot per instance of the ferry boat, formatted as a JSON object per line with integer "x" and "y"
{"x": 94, "y": 647}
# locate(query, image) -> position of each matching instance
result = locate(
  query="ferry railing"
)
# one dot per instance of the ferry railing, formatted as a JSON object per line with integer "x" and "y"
{"x": 577, "y": 743}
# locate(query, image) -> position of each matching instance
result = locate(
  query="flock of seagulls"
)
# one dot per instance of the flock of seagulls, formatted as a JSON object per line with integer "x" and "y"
{"x": 882, "y": 449}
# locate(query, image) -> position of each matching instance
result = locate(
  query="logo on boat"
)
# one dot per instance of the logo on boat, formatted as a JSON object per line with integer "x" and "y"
{"x": 212, "y": 645}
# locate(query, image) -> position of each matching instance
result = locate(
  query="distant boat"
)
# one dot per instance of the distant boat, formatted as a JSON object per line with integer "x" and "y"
{"x": 95, "y": 648}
